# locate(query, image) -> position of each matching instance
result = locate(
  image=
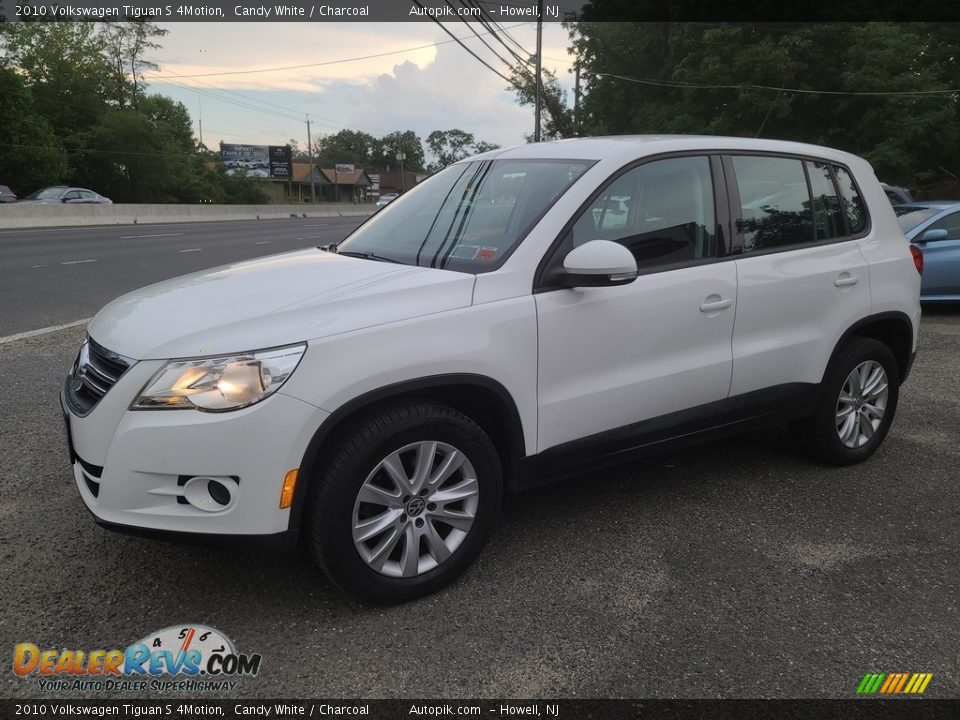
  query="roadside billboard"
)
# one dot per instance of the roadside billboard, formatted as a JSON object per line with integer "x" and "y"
{"x": 272, "y": 161}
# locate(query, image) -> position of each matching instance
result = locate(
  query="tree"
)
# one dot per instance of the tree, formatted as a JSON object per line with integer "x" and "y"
{"x": 556, "y": 118}
{"x": 408, "y": 142}
{"x": 805, "y": 82}
{"x": 353, "y": 147}
{"x": 31, "y": 156}
{"x": 450, "y": 146}
{"x": 143, "y": 154}
{"x": 125, "y": 44}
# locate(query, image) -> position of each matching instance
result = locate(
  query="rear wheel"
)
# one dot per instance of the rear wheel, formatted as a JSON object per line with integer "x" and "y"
{"x": 858, "y": 400}
{"x": 405, "y": 502}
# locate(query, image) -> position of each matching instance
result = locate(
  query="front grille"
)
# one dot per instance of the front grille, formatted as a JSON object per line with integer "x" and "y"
{"x": 94, "y": 372}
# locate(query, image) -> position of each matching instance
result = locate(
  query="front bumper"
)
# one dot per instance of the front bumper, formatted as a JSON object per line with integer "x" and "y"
{"x": 131, "y": 467}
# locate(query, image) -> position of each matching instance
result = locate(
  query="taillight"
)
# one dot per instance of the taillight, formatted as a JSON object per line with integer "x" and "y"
{"x": 917, "y": 258}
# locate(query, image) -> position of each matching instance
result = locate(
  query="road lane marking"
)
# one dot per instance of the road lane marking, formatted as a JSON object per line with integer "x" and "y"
{"x": 41, "y": 331}
{"x": 130, "y": 237}
{"x": 262, "y": 242}
{"x": 192, "y": 250}
{"x": 77, "y": 262}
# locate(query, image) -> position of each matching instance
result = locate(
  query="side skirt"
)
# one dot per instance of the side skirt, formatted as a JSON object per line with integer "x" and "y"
{"x": 703, "y": 423}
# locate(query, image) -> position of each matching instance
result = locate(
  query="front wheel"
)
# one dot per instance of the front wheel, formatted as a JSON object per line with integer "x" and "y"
{"x": 858, "y": 400}
{"x": 406, "y": 500}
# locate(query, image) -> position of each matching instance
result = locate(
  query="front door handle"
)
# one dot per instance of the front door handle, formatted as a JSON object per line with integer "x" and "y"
{"x": 846, "y": 280}
{"x": 714, "y": 305}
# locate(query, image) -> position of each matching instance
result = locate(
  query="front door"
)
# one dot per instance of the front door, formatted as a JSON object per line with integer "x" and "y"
{"x": 654, "y": 356}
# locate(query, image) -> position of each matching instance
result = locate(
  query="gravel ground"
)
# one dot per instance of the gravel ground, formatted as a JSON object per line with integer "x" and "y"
{"x": 737, "y": 569}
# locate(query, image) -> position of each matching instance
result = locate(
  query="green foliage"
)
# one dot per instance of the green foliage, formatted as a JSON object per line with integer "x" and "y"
{"x": 407, "y": 142}
{"x": 556, "y": 118}
{"x": 704, "y": 78}
{"x": 352, "y": 147}
{"x": 449, "y": 146}
{"x": 30, "y": 156}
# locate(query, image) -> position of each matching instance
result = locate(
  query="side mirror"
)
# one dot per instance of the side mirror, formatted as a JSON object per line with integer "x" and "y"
{"x": 933, "y": 236}
{"x": 598, "y": 263}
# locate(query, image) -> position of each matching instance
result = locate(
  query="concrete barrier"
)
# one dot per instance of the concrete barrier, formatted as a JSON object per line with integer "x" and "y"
{"x": 31, "y": 215}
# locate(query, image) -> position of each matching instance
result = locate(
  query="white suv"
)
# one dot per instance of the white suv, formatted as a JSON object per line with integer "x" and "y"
{"x": 381, "y": 396}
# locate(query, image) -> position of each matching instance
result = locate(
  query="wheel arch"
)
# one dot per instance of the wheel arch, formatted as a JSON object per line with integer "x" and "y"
{"x": 893, "y": 329}
{"x": 484, "y": 400}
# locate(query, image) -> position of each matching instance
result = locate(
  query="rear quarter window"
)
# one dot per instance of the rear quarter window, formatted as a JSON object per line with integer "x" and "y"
{"x": 853, "y": 205}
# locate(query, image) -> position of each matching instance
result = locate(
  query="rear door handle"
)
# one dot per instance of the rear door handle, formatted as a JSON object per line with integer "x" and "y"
{"x": 714, "y": 305}
{"x": 846, "y": 280}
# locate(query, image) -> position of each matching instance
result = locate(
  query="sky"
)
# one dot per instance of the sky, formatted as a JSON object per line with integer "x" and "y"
{"x": 437, "y": 87}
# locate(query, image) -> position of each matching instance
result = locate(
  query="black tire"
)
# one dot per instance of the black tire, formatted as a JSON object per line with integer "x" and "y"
{"x": 819, "y": 431}
{"x": 353, "y": 455}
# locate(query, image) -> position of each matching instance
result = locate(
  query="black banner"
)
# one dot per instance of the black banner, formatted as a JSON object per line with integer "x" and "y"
{"x": 500, "y": 11}
{"x": 857, "y": 709}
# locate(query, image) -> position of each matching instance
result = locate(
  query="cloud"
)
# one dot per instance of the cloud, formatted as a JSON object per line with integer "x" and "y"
{"x": 438, "y": 88}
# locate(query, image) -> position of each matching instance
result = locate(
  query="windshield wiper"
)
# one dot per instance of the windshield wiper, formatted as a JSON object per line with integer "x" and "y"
{"x": 368, "y": 256}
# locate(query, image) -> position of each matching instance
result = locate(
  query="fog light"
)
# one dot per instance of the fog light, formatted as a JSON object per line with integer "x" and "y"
{"x": 211, "y": 494}
{"x": 289, "y": 485}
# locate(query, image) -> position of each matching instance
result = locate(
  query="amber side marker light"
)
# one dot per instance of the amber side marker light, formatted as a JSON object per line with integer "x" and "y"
{"x": 289, "y": 484}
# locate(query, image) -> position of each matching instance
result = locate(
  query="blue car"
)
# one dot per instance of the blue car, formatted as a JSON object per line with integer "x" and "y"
{"x": 934, "y": 227}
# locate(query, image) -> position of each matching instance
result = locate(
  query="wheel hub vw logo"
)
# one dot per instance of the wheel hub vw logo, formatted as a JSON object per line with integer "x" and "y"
{"x": 415, "y": 506}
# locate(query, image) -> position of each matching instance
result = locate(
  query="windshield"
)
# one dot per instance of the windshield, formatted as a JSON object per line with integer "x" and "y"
{"x": 467, "y": 217}
{"x": 46, "y": 194}
{"x": 909, "y": 216}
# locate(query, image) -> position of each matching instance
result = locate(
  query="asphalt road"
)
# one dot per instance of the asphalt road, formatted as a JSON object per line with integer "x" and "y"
{"x": 56, "y": 276}
{"x": 738, "y": 569}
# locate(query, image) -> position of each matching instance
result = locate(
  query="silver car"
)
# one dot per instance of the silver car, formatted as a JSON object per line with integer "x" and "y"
{"x": 64, "y": 194}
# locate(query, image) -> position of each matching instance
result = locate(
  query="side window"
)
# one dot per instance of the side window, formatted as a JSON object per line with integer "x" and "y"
{"x": 827, "y": 214}
{"x": 951, "y": 223}
{"x": 775, "y": 203}
{"x": 852, "y": 202}
{"x": 72, "y": 195}
{"x": 662, "y": 212}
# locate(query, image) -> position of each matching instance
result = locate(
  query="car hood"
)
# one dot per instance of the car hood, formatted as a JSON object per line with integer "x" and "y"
{"x": 271, "y": 301}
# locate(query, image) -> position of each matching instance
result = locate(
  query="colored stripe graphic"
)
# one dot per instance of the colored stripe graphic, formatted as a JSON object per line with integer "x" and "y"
{"x": 894, "y": 683}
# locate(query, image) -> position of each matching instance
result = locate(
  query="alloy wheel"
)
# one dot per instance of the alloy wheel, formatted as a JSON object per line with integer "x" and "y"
{"x": 415, "y": 509}
{"x": 862, "y": 404}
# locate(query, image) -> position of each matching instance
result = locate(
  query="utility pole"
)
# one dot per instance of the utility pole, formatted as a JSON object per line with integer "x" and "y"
{"x": 536, "y": 114}
{"x": 200, "y": 117}
{"x": 576, "y": 99}
{"x": 313, "y": 189}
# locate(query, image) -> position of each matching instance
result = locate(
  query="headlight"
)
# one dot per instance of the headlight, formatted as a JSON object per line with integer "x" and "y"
{"x": 228, "y": 382}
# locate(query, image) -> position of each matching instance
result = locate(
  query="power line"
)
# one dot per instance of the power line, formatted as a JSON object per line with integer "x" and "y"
{"x": 458, "y": 41}
{"x": 491, "y": 26}
{"x": 694, "y": 86}
{"x": 325, "y": 63}
{"x": 485, "y": 43}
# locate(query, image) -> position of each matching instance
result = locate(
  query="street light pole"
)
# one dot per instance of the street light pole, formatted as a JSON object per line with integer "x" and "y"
{"x": 536, "y": 120}
{"x": 403, "y": 180}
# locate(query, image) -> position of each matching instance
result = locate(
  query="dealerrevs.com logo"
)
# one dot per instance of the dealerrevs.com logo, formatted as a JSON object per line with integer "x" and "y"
{"x": 185, "y": 658}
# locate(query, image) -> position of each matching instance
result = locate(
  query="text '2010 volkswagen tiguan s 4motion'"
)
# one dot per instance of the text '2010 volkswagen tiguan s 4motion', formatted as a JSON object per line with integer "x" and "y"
{"x": 521, "y": 316}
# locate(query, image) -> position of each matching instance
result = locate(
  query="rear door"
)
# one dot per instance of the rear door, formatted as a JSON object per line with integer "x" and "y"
{"x": 801, "y": 278}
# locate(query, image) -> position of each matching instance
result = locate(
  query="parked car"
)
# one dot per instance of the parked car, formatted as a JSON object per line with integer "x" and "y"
{"x": 7, "y": 195}
{"x": 934, "y": 227}
{"x": 897, "y": 195}
{"x": 379, "y": 398}
{"x": 64, "y": 194}
{"x": 387, "y": 199}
